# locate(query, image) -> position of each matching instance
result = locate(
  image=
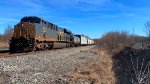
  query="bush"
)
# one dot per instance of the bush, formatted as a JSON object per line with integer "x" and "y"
{"x": 115, "y": 41}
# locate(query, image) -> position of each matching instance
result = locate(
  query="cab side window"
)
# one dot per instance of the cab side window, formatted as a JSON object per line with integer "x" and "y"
{"x": 43, "y": 23}
{"x": 50, "y": 25}
{"x": 56, "y": 28}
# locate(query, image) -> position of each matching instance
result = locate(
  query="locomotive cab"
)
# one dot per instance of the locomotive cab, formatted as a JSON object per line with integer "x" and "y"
{"x": 24, "y": 34}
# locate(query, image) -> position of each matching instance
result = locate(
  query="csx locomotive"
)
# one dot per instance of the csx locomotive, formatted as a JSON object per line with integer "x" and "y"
{"x": 33, "y": 33}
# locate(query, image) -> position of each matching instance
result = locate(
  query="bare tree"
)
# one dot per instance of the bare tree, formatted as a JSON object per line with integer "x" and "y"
{"x": 147, "y": 26}
{"x": 8, "y": 30}
{"x": 147, "y": 31}
{"x": 7, "y": 33}
{"x": 116, "y": 41}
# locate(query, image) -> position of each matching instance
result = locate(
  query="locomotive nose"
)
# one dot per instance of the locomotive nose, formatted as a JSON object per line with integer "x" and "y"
{"x": 25, "y": 30}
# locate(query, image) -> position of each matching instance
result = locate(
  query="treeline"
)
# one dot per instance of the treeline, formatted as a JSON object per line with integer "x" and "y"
{"x": 7, "y": 34}
{"x": 116, "y": 41}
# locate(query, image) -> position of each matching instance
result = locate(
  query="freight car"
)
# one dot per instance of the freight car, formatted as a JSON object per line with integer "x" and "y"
{"x": 85, "y": 40}
{"x": 76, "y": 41}
{"x": 34, "y": 33}
{"x": 90, "y": 41}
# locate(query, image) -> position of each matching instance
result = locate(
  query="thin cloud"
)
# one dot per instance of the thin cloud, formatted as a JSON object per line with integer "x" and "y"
{"x": 123, "y": 15}
{"x": 9, "y": 20}
{"x": 31, "y": 3}
{"x": 48, "y": 16}
{"x": 130, "y": 15}
{"x": 95, "y": 2}
{"x": 65, "y": 22}
{"x": 89, "y": 5}
{"x": 66, "y": 3}
{"x": 30, "y": 7}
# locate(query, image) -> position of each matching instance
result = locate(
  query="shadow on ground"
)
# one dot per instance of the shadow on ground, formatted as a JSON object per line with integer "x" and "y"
{"x": 4, "y": 51}
{"x": 131, "y": 66}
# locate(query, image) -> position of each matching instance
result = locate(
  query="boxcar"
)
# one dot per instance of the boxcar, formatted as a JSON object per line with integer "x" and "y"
{"x": 76, "y": 41}
{"x": 83, "y": 40}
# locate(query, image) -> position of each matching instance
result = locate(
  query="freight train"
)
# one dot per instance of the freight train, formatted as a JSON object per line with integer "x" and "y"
{"x": 34, "y": 33}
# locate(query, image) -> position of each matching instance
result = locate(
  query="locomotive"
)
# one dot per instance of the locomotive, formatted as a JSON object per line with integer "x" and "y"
{"x": 34, "y": 33}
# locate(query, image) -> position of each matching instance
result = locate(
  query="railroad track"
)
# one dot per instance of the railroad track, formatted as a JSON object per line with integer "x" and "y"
{"x": 6, "y": 53}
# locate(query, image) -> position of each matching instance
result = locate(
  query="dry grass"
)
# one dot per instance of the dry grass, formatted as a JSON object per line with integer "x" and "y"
{"x": 129, "y": 66}
{"x": 95, "y": 72}
{"x": 4, "y": 45}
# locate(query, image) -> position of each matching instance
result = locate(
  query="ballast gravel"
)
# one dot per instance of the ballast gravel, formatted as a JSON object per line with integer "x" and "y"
{"x": 45, "y": 67}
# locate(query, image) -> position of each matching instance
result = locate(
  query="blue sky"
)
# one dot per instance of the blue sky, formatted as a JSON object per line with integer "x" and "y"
{"x": 89, "y": 17}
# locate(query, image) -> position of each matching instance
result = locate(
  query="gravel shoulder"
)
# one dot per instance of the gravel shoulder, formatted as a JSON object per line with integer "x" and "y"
{"x": 45, "y": 67}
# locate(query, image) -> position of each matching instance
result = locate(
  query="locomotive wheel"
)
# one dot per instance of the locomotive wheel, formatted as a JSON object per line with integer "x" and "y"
{"x": 12, "y": 48}
{"x": 26, "y": 49}
{"x": 50, "y": 46}
{"x": 36, "y": 48}
{"x": 11, "y": 51}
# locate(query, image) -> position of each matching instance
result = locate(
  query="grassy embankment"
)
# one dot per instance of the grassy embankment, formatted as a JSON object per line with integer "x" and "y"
{"x": 3, "y": 45}
{"x": 128, "y": 66}
{"x": 95, "y": 72}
